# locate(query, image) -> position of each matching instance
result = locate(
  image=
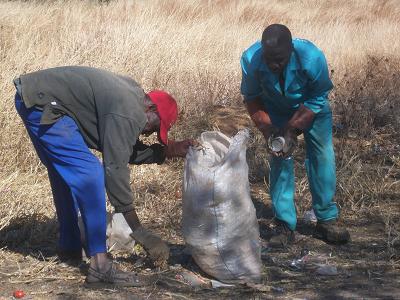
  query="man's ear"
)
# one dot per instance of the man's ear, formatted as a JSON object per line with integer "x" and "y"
{"x": 151, "y": 108}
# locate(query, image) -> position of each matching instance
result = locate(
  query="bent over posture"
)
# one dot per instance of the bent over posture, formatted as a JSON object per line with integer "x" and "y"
{"x": 285, "y": 84}
{"x": 66, "y": 111}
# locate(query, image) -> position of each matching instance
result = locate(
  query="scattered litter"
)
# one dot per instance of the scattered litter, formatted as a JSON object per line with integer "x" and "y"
{"x": 18, "y": 294}
{"x": 298, "y": 264}
{"x": 313, "y": 262}
{"x": 190, "y": 278}
{"x": 178, "y": 193}
{"x": 327, "y": 270}
{"x": 305, "y": 252}
{"x": 140, "y": 262}
{"x": 309, "y": 217}
{"x": 277, "y": 289}
{"x": 218, "y": 284}
{"x": 175, "y": 267}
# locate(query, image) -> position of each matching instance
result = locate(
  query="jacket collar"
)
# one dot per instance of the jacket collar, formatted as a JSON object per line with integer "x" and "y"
{"x": 289, "y": 72}
{"x": 291, "y": 69}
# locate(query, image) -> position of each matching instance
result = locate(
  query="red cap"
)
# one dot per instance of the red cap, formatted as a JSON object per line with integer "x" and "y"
{"x": 167, "y": 110}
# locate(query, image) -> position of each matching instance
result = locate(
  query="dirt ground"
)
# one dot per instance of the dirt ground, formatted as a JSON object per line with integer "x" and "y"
{"x": 367, "y": 267}
{"x": 363, "y": 58}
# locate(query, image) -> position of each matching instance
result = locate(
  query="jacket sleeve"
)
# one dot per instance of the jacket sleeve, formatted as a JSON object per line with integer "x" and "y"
{"x": 145, "y": 154}
{"x": 320, "y": 83}
{"x": 119, "y": 137}
{"x": 250, "y": 86}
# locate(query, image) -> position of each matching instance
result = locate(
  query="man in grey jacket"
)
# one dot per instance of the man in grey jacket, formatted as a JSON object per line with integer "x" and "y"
{"x": 66, "y": 111}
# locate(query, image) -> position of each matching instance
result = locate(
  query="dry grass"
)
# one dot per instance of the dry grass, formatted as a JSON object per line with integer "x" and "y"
{"x": 192, "y": 49}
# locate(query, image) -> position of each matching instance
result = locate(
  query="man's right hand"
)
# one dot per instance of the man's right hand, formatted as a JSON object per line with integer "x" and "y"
{"x": 157, "y": 249}
{"x": 178, "y": 148}
{"x": 290, "y": 135}
{"x": 262, "y": 121}
{"x": 270, "y": 131}
{"x": 260, "y": 118}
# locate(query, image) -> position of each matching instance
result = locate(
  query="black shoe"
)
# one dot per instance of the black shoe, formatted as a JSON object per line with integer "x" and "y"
{"x": 331, "y": 232}
{"x": 283, "y": 236}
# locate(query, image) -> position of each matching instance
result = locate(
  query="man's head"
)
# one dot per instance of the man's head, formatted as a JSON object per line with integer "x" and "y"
{"x": 162, "y": 112}
{"x": 277, "y": 47}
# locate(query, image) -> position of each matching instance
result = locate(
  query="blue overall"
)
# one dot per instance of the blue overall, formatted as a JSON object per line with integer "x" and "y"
{"x": 76, "y": 177}
{"x": 306, "y": 82}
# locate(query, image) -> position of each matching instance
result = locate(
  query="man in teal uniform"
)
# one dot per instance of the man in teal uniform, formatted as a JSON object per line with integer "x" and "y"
{"x": 285, "y": 85}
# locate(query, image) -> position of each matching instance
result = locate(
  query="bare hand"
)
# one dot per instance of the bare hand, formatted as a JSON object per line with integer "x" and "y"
{"x": 290, "y": 136}
{"x": 179, "y": 148}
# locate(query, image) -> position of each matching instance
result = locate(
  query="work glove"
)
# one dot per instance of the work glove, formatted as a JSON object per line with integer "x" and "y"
{"x": 156, "y": 248}
{"x": 178, "y": 148}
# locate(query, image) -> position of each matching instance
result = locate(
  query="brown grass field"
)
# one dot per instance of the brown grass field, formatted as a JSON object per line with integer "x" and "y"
{"x": 192, "y": 49}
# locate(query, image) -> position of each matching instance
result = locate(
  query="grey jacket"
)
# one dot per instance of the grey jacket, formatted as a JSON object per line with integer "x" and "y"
{"x": 109, "y": 111}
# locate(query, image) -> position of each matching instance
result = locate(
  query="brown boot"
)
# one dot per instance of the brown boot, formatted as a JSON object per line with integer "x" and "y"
{"x": 331, "y": 232}
{"x": 283, "y": 236}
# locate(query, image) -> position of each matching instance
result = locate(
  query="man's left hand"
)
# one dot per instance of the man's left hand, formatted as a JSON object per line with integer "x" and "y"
{"x": 290, "y": 136}
{"x": 179, "y": 148}
{"x": 302, "y": 118}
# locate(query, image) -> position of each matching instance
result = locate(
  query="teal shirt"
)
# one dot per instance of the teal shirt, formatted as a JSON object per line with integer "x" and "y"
{"x": 306, "y": 79}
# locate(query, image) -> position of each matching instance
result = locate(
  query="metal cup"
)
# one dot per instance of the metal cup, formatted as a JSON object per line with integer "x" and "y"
{"x": 276, "y": 144}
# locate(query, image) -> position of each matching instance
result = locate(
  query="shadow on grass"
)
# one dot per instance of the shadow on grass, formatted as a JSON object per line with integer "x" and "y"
{"x": 34, "y": 235}
{"x": 264, "y": 215}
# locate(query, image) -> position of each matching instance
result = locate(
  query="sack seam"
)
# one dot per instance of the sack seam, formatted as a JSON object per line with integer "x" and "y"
{"x": 216, "y": 218}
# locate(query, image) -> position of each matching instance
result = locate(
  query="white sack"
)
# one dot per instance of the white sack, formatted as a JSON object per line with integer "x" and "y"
{"x": 118, "y": 232}
{"x": 219, "y": 219}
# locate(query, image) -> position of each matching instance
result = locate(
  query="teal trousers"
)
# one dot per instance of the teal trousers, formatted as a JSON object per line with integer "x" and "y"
{"x": 320, "y": 167}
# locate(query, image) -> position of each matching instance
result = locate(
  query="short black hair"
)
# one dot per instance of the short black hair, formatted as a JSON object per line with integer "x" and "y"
{"x": 277, "y": 38}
